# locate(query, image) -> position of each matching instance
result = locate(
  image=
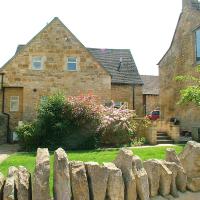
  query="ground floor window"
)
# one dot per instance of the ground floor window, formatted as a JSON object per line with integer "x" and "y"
{"x": 119, "y": 104}
{"x": 14, "y": 103}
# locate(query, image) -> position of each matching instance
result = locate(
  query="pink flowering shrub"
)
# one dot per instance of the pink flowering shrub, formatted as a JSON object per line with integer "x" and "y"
{"x": 117, "y": 126}
{"x": 85, "y": 110}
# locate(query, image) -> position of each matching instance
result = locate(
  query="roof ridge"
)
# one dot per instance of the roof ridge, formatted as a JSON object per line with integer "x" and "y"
{"x": 106, "y": 48}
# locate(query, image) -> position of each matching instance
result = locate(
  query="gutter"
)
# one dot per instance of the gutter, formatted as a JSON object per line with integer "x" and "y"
{"x": 3, "y": 108}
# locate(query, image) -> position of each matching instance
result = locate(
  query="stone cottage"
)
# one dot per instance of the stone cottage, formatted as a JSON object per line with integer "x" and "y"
{"x": 181, "y": 58}
{"x": 56, "y": 60}
{"x": 150, "y": 91}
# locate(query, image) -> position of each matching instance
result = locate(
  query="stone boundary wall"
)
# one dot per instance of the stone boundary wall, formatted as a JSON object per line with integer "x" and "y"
{"x": 126, "y": 178}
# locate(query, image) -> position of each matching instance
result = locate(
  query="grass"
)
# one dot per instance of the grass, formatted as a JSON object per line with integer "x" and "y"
{"x": 28, "y": 159}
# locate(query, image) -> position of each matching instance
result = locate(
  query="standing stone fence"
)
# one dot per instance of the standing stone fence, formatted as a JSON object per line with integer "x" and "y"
{"x": 127, "y": 178}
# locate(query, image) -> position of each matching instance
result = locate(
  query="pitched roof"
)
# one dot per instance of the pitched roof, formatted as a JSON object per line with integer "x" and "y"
{"x": 119, "y": 63}
{"x": 151, "y": 84}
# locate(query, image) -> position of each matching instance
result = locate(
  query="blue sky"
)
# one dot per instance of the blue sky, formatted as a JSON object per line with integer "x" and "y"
{"x": 145, "y": 27}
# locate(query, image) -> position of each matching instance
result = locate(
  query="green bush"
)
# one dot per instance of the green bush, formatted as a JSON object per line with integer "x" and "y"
{"x": 27, "y": 137}
{"x": 70, "y": 124}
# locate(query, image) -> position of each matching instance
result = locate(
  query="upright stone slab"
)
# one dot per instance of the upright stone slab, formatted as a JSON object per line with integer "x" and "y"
{"x": 115, "y": 187}
{"x": 124, "y": 162}
{"x": 9, "y": 189}
{"x": 171, "y": 156}
{"x": 40, "y": 184}
{"x": 142, "y": 183}
{"x": 159, "y": 176}
{"x": 165, "y": 179}
{"x": 24, "y": 183}
{"x": 181, "y": 179}
{"x": 97, "y": 179}
{"x": 173, "y": 168}
{"x": 2, "y": 181}
{"x": 62, "y": 185}
{"x": 190, "y": 161}
{"x": 13, "y": 172}
{"x": 152, "y": 168}
{"x": 79, "y": 183}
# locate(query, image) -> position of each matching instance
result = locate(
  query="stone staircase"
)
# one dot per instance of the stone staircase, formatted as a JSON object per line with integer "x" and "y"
{"x": 164, "y": 138}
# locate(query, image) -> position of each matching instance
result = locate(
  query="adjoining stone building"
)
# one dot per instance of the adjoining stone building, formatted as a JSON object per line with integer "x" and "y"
{"x": 181, "y": 59}
{"x": 56, "y": 60}
{"x": 150, "y": 91}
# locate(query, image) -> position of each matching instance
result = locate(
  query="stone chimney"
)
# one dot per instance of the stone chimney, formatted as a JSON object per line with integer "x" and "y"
{"x": 187, "y": 4}
{"x": 190, "y": 4}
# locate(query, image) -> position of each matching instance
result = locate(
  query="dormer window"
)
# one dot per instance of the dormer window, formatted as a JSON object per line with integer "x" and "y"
{"x": 197, "y": 35}
{"x": 71, "y": 64}
{"x": 37, "y": 63}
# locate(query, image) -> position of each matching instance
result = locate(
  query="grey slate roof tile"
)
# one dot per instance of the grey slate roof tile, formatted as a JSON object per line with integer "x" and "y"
{"x": 151, "y": 84}
{"x": 127, "y": 73}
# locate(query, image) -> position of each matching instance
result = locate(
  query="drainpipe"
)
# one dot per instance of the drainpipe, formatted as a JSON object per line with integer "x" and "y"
{"x": 3, "y": 108}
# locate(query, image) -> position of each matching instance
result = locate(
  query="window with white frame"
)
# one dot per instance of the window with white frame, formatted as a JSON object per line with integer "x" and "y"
{"x": 14, "y": 103}
{"x": 197, "y": 35}
{"x": 71, "y": 64}
{"x": 37, "y": 63}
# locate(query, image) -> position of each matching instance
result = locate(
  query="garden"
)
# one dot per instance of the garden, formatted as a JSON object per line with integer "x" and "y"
{"x": 79, "y": 122}
{"x": 86, "y": 130}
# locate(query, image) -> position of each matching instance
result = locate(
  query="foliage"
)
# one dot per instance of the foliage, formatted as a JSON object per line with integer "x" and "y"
{"x": 118, "y": 126}
{"x": 26, "y": 135}
{"x": 137, "y": 141}
{"x": 85, "y": 119}
{"x": 70, "y": 124}
{"x": 78, "y": 122}
{"x": 190, "y": 93}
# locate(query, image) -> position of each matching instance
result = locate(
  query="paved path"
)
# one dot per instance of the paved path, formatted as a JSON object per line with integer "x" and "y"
{"x": 6, "y": 150}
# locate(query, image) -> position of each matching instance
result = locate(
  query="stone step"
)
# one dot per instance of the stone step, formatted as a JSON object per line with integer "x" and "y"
{"x": 162, "y": 133}
{"x": 165, "y": 142}
{"x": 163, "y": 137}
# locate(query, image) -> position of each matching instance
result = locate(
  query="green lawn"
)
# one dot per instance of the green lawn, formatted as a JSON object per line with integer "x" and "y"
{"x": 28, "y": 159}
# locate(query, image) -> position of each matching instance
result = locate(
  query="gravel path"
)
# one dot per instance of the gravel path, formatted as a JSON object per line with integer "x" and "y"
{"x": 6, "y": 150}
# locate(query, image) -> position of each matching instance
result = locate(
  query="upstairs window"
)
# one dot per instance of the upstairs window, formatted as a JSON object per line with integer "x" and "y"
{"x": 14, "y": 103}
{"x": 198, "y": 45}
{"x": 37, "y": 63}
{"x": 71, "y": 64}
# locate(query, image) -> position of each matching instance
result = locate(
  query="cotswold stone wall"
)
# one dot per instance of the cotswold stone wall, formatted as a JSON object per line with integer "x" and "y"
{"x": 126, "y": 178}
{"x": 180, "y": 59}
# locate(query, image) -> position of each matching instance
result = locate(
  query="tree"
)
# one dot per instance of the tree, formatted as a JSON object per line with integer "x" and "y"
{"x": 190, "y": 93}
